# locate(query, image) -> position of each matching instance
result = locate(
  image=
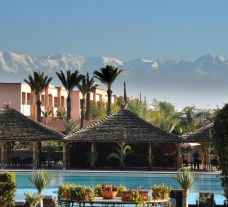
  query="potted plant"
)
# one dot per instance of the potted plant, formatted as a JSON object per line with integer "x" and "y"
{"x": 120, "y": 189}
{"x": 40, "y": 179}
{"x": 97, "y": 190}
{"x": 33, "y": 199}
{"x": 108, "y": 191}
{"x": 185, "y": 178}
{"x": 64, "y": 191}
{"x": 161, "y": 191}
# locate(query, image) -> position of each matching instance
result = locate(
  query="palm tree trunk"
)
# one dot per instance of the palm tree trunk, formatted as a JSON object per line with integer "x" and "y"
{"x": 38, "y": 109}
{"x": 68, "y": 107}
{"x": 87, "y": 114}
{"x": 82, "y": 112}
{"x": 109, "y": 109}
{"x": 185, "y": 198}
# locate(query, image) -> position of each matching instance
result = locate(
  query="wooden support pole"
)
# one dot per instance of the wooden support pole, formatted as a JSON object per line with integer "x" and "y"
{"x": 179, "y": 161}
{"x": 149, "y": 156}
{"x": 64, "y": 155}
{"x": 2, "y": 155}
{"x": 34, "y": 155}
{"x": 121, "y": 156}
{"x": 93, "y": 156}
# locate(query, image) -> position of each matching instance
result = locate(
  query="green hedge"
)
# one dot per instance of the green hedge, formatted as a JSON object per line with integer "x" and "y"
{"x": 7, "y": 189}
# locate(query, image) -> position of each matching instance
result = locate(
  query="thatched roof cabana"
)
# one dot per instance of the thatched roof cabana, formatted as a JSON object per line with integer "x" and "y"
{"x": 123, "y": 126}
{"x": 14, "y": 126}
{"x": 201, "y": 135}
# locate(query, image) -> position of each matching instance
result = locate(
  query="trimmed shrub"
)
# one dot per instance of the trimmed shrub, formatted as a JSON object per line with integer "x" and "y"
{"x": 7, "y": 189}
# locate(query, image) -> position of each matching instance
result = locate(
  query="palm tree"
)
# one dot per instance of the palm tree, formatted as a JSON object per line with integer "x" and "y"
{"x": 83, "y": 89}
{"x": 40, "y": 179}
{"x": 33, "y": 199}
{"x": 185, "y": 178}
{"x": 70, "y": 127}
{"x": 91, "y": 86}
{"x": 38, "y": 83}
{"x": 121, "y": 153}
{"x": 107, "y": 76}
{"x": 47, "y": 116}
{"x": 69, "y": 81}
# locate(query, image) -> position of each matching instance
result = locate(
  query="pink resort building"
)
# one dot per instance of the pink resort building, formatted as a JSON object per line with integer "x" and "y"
{"x": 20, "y": 97}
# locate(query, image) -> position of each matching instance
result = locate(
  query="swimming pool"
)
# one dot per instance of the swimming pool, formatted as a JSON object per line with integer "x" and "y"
{"x": 205, "y": 182}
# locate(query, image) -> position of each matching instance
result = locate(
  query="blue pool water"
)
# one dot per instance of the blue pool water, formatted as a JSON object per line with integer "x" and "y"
{"x": 133, "y": 180}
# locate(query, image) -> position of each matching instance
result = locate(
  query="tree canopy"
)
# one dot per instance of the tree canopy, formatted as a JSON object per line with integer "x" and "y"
{"x": 220, "y": 136}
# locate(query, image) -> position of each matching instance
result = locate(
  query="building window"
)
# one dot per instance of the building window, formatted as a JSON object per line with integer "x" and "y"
{"x": 28, "y": 98}
{"x": 42, "y": 100}
{"x": 55, "y": 102}
{"x": 23, "y": 98}
{"x": 50, "y": 100}
{"x": 62, "y": 102}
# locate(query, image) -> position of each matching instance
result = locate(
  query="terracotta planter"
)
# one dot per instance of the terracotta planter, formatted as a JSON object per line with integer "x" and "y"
{"x": 65, "y": 194}
{"x": 108, "y": 194}
{"x": 126, "y": 195}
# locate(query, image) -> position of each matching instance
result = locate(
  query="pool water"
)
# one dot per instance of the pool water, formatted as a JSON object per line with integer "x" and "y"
{"x": 133, "y": 180}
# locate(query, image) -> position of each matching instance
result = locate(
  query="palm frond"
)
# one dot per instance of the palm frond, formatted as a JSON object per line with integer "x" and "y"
{"x": 40, "y": 179}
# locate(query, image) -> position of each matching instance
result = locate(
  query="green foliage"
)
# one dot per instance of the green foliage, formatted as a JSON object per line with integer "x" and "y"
{"x": 121, "y": 155}
{"x": 97, "y": 190}
{"x": 107, "y": 75}
{"x": 7, "y": 189}
{"x": 47, "y": 116}
{"x": 51, "y": 146}
{"x": 70, "y": 127}
{"x": 139, "y": 198}
{"x": 91, "y": 86}
{"x": 69, "y": 79}
{"x": 33, "y": 199}
{"x": 167, "y": 117}
{"x": 97, "y": 110}
{"x": 120, "y": 189}
{"x": 206, "y": 200}
{"x": 161, "y": 191}
{"x": 75, "y": 192}
{"x": 220, "y": 136}
{"x": 62, "y": 115}
{"x": 40, "y": 179}
{"x": 185, "y": 178}
{"x": 38, "y": 82}
{"x": 138, "y": 107}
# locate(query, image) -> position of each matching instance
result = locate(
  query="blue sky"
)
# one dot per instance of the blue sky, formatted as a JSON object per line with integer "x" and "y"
{"x": 126, "y": 29}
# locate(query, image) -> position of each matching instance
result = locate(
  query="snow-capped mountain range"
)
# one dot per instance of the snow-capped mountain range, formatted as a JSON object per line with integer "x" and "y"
{"x": 158, "y": 78}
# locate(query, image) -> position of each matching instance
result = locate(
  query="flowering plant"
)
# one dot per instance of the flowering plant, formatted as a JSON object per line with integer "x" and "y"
{"x": 106, "y": 187}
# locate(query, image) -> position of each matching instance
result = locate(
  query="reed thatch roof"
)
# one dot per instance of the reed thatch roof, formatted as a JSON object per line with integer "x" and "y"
{"x": 15, "y": 126}
{"x": 200, "y": 135}
{"x": 124, "y": 126}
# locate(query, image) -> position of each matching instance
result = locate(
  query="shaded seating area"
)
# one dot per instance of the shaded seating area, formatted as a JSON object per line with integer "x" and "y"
{"x": 17, "y": 128}
{"x": 151, "y": 147}
{"x": 201, "y": 137}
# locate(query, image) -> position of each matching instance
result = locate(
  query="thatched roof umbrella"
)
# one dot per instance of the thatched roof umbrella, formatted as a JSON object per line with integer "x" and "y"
{"x": 123, "y": 126}
{"x": 14, "y": 126}
{"x": 202, "y": 136}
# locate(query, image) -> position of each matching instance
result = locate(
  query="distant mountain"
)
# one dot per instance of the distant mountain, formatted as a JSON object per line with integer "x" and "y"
{"x": 184, "y": 82}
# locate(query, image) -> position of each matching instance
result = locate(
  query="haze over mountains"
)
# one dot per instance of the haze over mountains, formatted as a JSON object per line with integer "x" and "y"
{"x": 202, "y": 82}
